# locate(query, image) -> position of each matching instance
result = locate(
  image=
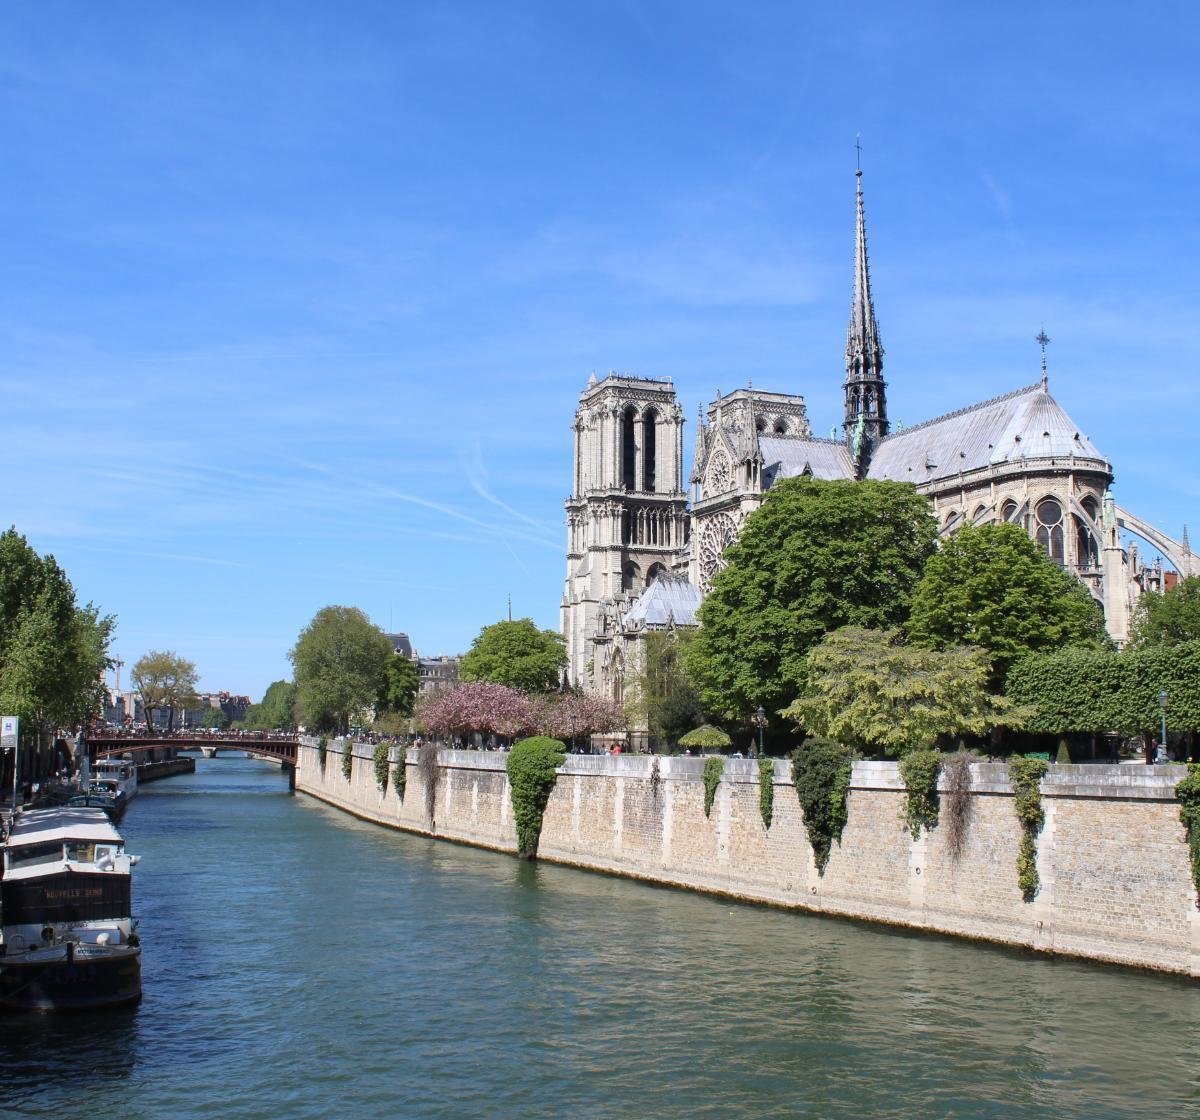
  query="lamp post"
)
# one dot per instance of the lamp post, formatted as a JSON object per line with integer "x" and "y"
{"x": 760, "y": 717}
{"x": 1162, "y": 703}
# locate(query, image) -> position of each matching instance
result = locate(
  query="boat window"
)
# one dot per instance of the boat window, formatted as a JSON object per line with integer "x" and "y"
{"x": 29, "y": 855}
{"x": 105, "y": 852}
{"x": 81, "y": 851}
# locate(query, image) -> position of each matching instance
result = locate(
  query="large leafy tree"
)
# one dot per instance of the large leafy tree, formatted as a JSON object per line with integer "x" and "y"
{"x": 1168, "y": 619}
{"x": 991, "y": 586}
{"x": 52, "y": 651}
{"x": 277, "y": 709}
{"x": 867, "y": 689}
{"x": 399, "y": 692}
{"x": 814, "y": 557}
{"x": 516, "y": 653}
{"x": 341, "y": 662}
{"x": 165, "y": 680}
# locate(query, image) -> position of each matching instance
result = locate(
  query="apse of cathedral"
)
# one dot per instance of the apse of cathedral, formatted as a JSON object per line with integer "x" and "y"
{"x": 642, "y": 552}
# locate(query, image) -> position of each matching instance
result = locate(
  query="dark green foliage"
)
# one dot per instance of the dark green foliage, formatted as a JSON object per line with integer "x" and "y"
{"x": 1188, "y": 792}
{"x": 814, "y": 557}
{"x": 381, "y": 765}
{"x": 400, "y": 771}
{"x": 821, "y": 770}
{"x": 322, "y": 751}
{"x": 431, "y": 772}
{"x": 1063, "y": 758}
{"x": 1169, "y": 619}
{"x": 713, "y": 769}
{"x": 214, "y": 718}
{"x": 665, "y": 694}
{"x": 919, "y": 769}
{"x": 1087, "y": 690}
{"x": 347, "y": 758}
{"x": 991, "y": 586}
{"x": 766, "y": 790}
{"x": 398, "y": 694}
{"x": 1026, "y": 775}
{"x": 532, "y": 770}
{"x": 275, "y": 711}
{"x": 517, "y": 654}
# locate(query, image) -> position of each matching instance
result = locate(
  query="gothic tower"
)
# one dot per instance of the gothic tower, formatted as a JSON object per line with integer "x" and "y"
{"x": 865, "y": 422}
{"x": 627, "y": 514}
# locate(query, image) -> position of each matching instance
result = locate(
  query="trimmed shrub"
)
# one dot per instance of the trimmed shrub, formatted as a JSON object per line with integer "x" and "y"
{"x": 1026, "y": 776}
{"x": 713, "y": 769}
{"x": 919, "y": 769}
{"x": 821, "y": 770}
{"x": 532, "y": 771}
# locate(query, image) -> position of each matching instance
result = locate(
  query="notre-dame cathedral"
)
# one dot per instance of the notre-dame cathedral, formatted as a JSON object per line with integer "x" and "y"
{"x": 641, "y": 557}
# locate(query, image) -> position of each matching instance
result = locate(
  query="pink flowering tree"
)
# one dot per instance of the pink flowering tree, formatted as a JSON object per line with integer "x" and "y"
{"x": 477, "y": 706}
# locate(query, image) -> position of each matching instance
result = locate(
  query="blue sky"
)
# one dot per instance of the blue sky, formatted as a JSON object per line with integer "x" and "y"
{"x": 296, "y": 301}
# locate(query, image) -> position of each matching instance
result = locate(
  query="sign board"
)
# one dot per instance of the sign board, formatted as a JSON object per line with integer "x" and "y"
{"x": 8, "y": 732}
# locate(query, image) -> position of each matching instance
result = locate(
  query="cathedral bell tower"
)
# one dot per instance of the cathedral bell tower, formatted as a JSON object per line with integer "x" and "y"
{"x": 865, "y": 422}
{"x": 627, "y": 514}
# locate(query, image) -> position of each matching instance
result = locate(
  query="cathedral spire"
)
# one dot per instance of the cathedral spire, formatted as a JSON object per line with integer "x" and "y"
{"x": 866, "y": 401}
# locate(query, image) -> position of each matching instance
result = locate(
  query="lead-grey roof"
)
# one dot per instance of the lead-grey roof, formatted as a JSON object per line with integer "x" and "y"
{"x": 669, "y": 599}
{"x": 788, "y": 458}
{"x": 1025, "y": 424}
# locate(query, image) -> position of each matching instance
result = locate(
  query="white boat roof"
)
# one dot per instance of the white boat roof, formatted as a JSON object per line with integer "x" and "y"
{"x": 65, "y": 823}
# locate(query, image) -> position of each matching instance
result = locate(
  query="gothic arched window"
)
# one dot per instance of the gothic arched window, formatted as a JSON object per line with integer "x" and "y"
{"x": 629, "y": 449}
{"x": 1049, "y": 516}
{"x": 1008, "y": 511}
{"x": 629, "y": 576}
{"x": 781, "y": 427}
{"x": 1090, "y": 507}
{"x": 648, "y": 449}
{"x": 1086, "y": 548}
{"x": 655, "y": 571}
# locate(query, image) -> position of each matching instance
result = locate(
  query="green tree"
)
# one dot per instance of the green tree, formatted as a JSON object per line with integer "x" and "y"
{"x": 992, "y": 586}
{"x": 516, "y": 653}
{"x": 867, "y": 689}
{"x": 666, "y": 697}
{"x": 341, "y": 661}
{"x": 278, "y": 707}
{"x": 1168, "y": 619}
{"x": 399, "y": 692}
{"x": 215, "y": 718}
{"x": 814, "y": 557}
{"x": 165, "y": 680}
{"x": 52, "y": 651}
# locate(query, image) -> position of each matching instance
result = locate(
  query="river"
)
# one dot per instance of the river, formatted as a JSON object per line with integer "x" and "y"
{"x": 300, "y": 964}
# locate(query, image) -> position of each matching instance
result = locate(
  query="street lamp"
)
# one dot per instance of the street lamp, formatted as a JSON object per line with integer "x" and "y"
{"x": 1162, "y": 703}
{"x": 760, "y": 717}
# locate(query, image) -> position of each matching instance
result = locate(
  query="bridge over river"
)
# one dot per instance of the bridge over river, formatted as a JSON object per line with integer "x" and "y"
{"x": 153, "y": 754}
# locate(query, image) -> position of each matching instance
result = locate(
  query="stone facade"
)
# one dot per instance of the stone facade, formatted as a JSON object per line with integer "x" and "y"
{"x": 1113, "y": 858}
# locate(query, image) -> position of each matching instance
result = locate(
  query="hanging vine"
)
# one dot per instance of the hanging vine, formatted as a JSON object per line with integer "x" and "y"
{"x": 956, "y": 813}
{"x": 1026, "y": 775}
{"x": 347, "y": 759}
{"x": 821, "y": 771}
{"x": 655, "y": 783}
{"x": 919, "y": 770}
{"x": 381, "y": 766}
{"x": 322, "y": 751}
{"x": 427, "y": 764}
{"x": 532, "y": 771}
{"x": 766, "y": 790}
{"x": 400, "y": 771}
{"x": 1188, "y": 792}
{"x": 713, "y": 768}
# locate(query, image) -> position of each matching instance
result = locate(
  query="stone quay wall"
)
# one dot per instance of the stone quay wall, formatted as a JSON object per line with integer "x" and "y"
{"x": 1113, "y": 857}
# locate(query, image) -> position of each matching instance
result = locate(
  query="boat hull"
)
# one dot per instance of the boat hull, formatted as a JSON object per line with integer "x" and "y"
{"x": 66, "y": 978}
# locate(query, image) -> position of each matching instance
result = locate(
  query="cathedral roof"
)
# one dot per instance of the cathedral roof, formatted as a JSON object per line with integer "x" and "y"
{"x": 669, "y": 599}
{"x": 787, "y": 458}
{"x": 1025, "y": 424}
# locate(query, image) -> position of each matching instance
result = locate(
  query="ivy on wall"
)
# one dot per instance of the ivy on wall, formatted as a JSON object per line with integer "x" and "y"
{"x": 532, "y": 771}
{"x": 713, "y": 768}
{"x": 381, "y": 766}
{"x": 347, "y": 758}
{"x": 1188, "y": 792}
{"x": 431, "y": 772}
{"x": 956, "y": 813}
{"x": 1026, "y": 776}
{"x": 821, "y": 770}
{"x": 766, "y": 790}
{"x": 322, "y": 751}
{"x": 919, "y": 770}
{"x": 400, "y": 772}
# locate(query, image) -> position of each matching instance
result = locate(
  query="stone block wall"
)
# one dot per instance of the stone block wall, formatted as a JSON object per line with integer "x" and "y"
{"x": 1112, "y": 858}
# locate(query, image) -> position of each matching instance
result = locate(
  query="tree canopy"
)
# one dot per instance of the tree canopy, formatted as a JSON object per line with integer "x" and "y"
{"x": 814, "y": 557}
{"x": 277, "y": 709}
{"x": 216, "y": 718}
{"x": 341, "y": 661}
{"x": 991, "y": 586}
{"x": 866, "y": 688}
{"x": 664, "y": 693}
{"x": 165, "y": 680}
{"x": 1168, "y": 619}
{"x": 400, "y": 683}
{"x": 516, "y": 653}
{"x": 52, "y": 651}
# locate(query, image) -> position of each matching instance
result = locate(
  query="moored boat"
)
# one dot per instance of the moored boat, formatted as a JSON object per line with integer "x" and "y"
{"x": 115, "y": 775}
{"x": 67, "y": 939}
